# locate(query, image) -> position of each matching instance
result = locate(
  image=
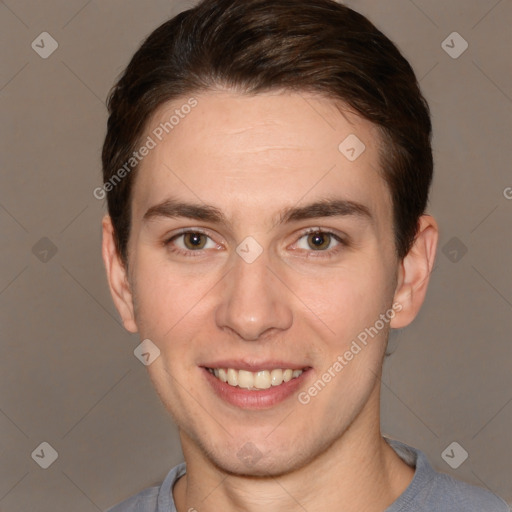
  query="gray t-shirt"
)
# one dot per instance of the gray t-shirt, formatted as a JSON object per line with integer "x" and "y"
{"x": 429, "y": 491}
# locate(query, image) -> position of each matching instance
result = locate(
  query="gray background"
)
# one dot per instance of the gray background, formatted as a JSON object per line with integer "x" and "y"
{"x": 68, "y": 374}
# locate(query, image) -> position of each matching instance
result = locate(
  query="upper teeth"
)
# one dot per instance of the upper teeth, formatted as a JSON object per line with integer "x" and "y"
{"x": 254, "y": 380}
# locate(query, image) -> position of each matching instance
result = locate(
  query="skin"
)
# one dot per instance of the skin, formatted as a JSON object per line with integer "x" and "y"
{"x": 251, "y": 157}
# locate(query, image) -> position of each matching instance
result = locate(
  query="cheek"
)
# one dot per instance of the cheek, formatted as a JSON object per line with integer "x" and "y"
{"x": 165, "y": 299}
{"x": 345, "y": 300}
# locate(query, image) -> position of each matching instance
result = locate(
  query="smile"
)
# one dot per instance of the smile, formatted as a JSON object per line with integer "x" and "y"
{"x": 261, "y": 379}
{"x": 254, "y": 385}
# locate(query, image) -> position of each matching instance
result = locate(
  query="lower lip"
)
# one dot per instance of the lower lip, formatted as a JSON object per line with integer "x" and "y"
{"x": 258, "y": 399}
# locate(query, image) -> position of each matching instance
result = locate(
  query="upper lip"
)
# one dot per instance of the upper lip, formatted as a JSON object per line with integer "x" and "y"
{"x": 253, "y": 365}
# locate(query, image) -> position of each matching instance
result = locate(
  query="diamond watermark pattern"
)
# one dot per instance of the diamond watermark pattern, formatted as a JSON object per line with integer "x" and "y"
{"x": 352, "y": 147}
{"x": 249, "y": 249}
{"x": 44, "y": 45}
{"x": 454, "y": 45}
{"x": 44, "y": 250}
{"x": 454, "y": 455}
{"x": 249, "y": 454}
{"x": 454, "y": 250}
{"x": 45, "y": 455}
{"x": 146, "y": 352}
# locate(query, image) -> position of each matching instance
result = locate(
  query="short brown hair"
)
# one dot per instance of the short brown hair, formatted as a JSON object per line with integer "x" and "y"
{"x": 254, "y": 46}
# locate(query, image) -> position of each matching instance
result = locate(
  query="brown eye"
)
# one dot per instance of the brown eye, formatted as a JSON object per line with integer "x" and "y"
{"x": 319, "y": 240}
{"x": 190, "y": 243}
{"x": 193, "y": 240}
{"x": 319, "y": 243}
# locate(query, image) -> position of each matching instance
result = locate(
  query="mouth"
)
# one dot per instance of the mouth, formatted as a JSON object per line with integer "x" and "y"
{"x": 253, "y": 381}
{"x": 254, "y": 387}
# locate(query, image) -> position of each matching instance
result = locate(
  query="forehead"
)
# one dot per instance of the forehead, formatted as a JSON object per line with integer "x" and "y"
{"x": 260, "y": 153}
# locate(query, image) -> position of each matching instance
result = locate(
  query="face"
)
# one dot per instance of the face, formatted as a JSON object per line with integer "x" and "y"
{"x": 258, "y": 248}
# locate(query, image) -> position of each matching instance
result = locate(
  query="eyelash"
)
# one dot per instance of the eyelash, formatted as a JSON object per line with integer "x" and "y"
{"x": 328, "y": 253}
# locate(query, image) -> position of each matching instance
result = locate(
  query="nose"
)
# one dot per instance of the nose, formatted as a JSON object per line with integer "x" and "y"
{"x": 254, "y": 301}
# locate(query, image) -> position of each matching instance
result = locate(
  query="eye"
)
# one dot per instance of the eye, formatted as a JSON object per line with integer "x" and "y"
{"x": 190, "y": 241}
{"x": 318, "y": 240}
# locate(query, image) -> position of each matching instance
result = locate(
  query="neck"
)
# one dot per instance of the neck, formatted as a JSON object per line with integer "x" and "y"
{"x": 359, "y": 471}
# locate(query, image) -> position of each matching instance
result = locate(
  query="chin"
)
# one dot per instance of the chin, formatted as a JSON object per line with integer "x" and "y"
{"x": 263, "y": 468}
{"x": 251, "y": 461}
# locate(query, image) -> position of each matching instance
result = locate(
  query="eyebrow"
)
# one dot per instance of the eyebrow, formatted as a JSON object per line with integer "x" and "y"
{"x": 329, "y": 207}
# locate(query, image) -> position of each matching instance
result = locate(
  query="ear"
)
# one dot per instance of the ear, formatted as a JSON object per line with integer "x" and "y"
{"x": 414, "y": 273}
{"x": 117, "y": 277}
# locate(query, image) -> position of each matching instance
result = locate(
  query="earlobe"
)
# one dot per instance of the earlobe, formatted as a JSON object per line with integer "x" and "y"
{"x": 117, "y": 277}
{"x": 414, "y": 272}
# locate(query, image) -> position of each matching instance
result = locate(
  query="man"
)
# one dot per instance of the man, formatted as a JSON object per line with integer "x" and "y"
{"x": 267, "y": 165}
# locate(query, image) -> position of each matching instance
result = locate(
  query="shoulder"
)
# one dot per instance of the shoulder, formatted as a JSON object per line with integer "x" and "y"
{"x": 144, "y": 501}
{"x": 455, "y": 495}
{"x": 153, "y": 499}
{"x": 432, "y": 491}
